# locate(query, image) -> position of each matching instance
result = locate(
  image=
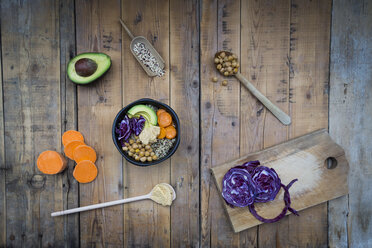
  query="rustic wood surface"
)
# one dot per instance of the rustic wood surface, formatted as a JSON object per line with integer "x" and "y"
{"x": 315, "y": 69}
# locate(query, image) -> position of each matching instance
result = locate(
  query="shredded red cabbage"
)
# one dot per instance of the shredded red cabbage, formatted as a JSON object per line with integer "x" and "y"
{"x": 249, "y": 183}
{"x": 129, "y": 126}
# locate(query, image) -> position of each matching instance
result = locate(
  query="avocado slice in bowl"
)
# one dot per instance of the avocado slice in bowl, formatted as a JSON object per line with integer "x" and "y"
{"x": 87, "y": 67}
{"x": 146, "y": 112}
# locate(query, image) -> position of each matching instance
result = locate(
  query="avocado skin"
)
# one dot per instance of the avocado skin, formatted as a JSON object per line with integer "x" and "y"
{"x": 148, "y": 113}
{"x": 103, "y": 61}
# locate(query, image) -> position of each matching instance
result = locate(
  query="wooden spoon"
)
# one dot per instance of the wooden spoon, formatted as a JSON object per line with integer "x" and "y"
{"x": 117, "y": 202}
{"x": 275, "y": 110}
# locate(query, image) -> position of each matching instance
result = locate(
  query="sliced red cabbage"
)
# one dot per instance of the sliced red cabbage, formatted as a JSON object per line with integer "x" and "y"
{"x": 267, "y": 182}
{"x": 129, "y": 126}
{"x": 237, "y": 189}
{"x": 246, "y": 184}
{"x": 287, "y": 201}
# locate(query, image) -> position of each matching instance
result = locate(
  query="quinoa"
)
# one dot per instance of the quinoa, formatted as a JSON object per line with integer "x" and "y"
{"x": 147, "y": 58}
{"x": 161, "y": 147}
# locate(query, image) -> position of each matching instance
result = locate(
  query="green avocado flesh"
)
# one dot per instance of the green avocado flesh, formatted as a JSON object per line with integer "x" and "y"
{"x": 91, "y": 66}
{"x": 147, "y": 113}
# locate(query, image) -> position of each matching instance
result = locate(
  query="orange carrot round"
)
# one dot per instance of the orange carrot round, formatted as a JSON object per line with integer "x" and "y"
{"x": 85, "y": 171}
{"x": 84, "y": 152}
{"x": 164, "y": 119}
{"x": 51, "y": 162}
{"x": 162, "y": 133}
{"x": 71, "y": 135}
{"x": 160, "y": 111}
{"x": 170, "y": 132}
{"x": 70, "y": 148}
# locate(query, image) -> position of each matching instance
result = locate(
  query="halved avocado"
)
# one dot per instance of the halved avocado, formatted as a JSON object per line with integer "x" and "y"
{"x": 147, "y": 113}
{"x": 87, "y": 67}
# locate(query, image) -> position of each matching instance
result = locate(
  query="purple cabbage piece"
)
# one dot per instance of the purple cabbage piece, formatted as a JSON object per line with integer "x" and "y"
{"x": 238, "y": 189}
{"x": 267, "y": 182}
{"x": 246, "y": 184}
{"x": 129, "y": 126}
{"x": 287, "y": 201}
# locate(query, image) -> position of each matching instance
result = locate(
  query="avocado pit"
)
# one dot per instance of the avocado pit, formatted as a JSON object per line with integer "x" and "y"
{"x": 85, "y": 67}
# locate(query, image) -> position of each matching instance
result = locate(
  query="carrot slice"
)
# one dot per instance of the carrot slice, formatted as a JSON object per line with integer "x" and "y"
{"x": 84, "y": 152}
{"x": 70, "y": 148}
{"x": 162, "y": 133}
{"x": 160, "y": 111}
{"x": 71, "y": 135}
{"x": 85, "y": 171}
{"x": 51, "y": 162}
{"x": 164, "y": 119}
{"x": 170, "y": 132}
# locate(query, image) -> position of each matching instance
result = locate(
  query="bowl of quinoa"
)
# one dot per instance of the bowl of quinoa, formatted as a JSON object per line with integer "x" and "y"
{"x": 130, "y": 145}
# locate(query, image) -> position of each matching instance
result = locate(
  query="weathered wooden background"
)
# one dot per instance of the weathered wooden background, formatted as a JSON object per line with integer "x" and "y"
{"x": 311, "y": 57}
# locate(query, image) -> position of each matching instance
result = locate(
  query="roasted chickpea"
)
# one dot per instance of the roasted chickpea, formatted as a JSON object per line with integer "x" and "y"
{"x": 233, "y": 64}
{"x": 149, "y": 159}
{"x": 229, "y": 69}
{"x": 143, "y": 149}
{"x": 214, "y": 79}
{"x": 143, "y": 159}
{"x": 226, "y": 73}
{"x": 130, "y": 154}
{"x": 135, "y": 146}
{"x": 152, "y": 153}
{"x": 131, "y": 150}
{"x": 228, "y": 64}
{"x": 147, "y": 147}
{"x": 142, "y": 154}
{"x": 216, "y": 60}
{"x": 147, "y": 153}
{"x": 131, "y": 141}
{"x": 222, "y": 70}
{"x": 224, "y": 83}
{"x": 137, "y": 158}
{"x": 236, "y": 70}
{"x": 137, "y": 150}
{"x": 231, "y": 58}
{"x": 222, "y": 54}
{"x": 219, "y": 66}
{"x": 154, "y": 157}
{"x": 125, "y": 148}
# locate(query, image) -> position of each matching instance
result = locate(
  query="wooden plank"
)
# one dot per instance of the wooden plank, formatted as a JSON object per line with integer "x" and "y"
{"x": 69, "y": 117}
{"x": 264, "y": 50}
{"x": 184, "y": 57}
{"x": 308, "y": 65}
{"x": 146, "y": 223}
{"x": 303, "y": 159}
{"x": 2, "y": 161}
{"x": 98, "y": 30}
{"x": 350, "y": 114}
{"x": 32, "y": 105}
{"x": 220, "y": 111}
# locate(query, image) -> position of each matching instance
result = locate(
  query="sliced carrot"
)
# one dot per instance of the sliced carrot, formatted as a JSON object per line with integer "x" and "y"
{"x": 170, "y": 132}
{"x": 162, "y": 133}
{"x": 70, "y": 148}
{"x": 164, "y": 119}
{"x": 71, "y": 135}
{"x": 84, "y": 152}
{"x": 51, "y": 162}
{"x": 160, "y": 111}
{"x": 85, "y": 171}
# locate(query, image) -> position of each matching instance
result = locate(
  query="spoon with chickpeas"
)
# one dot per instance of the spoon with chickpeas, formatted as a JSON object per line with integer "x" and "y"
{"x": 228, "y": 65}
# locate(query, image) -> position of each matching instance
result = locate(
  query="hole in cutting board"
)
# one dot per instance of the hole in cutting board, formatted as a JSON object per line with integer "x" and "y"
{"x": 331, "y": 163}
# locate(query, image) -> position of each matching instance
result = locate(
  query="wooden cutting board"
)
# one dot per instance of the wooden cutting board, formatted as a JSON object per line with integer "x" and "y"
{"x": 303, "y": 158}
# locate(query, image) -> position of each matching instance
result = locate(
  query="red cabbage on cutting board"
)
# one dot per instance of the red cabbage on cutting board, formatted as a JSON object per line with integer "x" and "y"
{"x": 303, "y": 158}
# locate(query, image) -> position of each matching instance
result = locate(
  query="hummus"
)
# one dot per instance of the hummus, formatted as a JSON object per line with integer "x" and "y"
{"x": 162, "y": 194}
{"x": 149, "y": 134}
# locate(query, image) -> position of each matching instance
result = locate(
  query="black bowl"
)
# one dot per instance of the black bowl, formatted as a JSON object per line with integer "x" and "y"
{"x": 119, "y": 117}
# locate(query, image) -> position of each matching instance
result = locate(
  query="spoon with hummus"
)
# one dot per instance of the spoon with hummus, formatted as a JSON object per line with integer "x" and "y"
{"x": 162, "y": 193}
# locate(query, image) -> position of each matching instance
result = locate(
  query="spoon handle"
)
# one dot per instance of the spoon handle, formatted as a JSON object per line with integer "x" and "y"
{"x": 101, "y": 205}
{"x": 275, "y": 110}
{"x": 126, "y": 29}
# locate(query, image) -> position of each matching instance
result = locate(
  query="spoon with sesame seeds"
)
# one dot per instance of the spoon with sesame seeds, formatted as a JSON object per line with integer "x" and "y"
{"x": 228, "y": 65}
{"x": 145, "y": 53}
